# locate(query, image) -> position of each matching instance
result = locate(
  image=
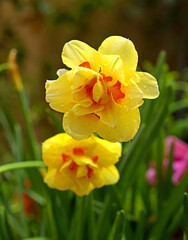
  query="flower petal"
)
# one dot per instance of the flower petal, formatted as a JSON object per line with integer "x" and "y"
{"x": 107, "y": 153}
{"x": 117, "y": 45}
{"x": 125, "y": 130}
{"x": 76, "y": 52}
{"x": 133, "y": 96}
{"x": 82, "y": 186}
{"x": 53, "y": 148}
{"x": 147, "y": 84}
{"x": 61, "y": 71}
{"x": 110, "y": 174}
{"x": 79, "y": 110}
{"x": 60, "y": 181}
{"x": 112, "y": 65}
{"x": 58, "y": 93}
{"x": 110, "y": 114}
{"x": 79, "y": 127}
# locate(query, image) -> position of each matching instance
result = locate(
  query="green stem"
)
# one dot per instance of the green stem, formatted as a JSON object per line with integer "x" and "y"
{"x": 27, "y": 119}
{"x": 21, "y": 165}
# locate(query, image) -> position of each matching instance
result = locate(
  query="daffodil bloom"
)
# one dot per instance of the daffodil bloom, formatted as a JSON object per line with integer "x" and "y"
{"x": 102, "y": 91}
{"x": 81, "y": 165}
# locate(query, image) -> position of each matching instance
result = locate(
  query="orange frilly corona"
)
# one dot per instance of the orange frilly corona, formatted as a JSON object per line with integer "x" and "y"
{"x": 81, "y": 165}
{"x": 102, "y": 92}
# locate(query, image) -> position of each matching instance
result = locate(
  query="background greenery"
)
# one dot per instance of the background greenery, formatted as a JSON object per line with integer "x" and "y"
{"x": 132, "y": 209}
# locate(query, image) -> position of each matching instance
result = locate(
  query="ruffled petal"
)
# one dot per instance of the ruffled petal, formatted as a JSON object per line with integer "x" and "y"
{"x": 110, "y": 114}
{"x": 76, "y": 52}
{"x": 133, "y": 96}
{"x": 79, "y": 127}
{"x": 125, "y": 130}
{"x": 117, "y": 45}
{"x": 147, "y": 84}
{"x": 58, "y": 93}
{"x": 79, "y": 110}
{"x": 106, "y": 153}
{"x": 53, "y": 148}
{"x": 112, "y": 66}
{"x": 82, "y": 186}
{"x": 110, "y": 174}
{"x": 63, "y": 180}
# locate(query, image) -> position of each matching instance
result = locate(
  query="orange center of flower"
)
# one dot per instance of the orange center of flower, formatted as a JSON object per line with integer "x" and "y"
{"x": 78, "y": 151}
{"x": 65, "y": 157}
{"x": 114, "y": 90}
{"x": 89, "y": 172}
{"x": 74, "y": 166}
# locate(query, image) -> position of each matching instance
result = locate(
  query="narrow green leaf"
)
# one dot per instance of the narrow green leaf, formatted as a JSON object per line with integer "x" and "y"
{"x": 21, "y": 165}
{"x": 141, "y": 226}
{"x": 37, "y": 238}
{"x": 148, "y": 135}
{"x": 173, "y": 202}
{"x": 186, "y": 214}
{"x": 118, "y": 226}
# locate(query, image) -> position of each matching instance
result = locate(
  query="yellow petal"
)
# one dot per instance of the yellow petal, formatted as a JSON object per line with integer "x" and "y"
{"x": 98, "y": 91}
{"x": 147, "y": 84}
{"x": 53, "y": 148}
{"x": 81, "y": 171}
{"x": 82, "y": 186}
{"x": 133, "y": 96}
{"x": 79, "y": 127}
{"x": 112, "y": 65}
{"x": 80, "y": 110}
{"x": 60, "y": 181}
{"x": 76, "y": 52}
{"x": 125, "y": 130}
{"x": 84, "y": 160}
{"x": 110, "y": 174}
{"x": 61, "y": 71}
{"x": 107, "y": 153}
{"x": 97, "y": 178}
{"x": 110, "y": 114}
{"x": 83, "y": 76}
{"x": 117, "y": 45}
{"x": 58, "y": 93}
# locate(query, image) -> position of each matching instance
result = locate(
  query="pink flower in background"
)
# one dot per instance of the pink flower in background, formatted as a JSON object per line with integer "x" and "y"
{"x": 180, "y": 161}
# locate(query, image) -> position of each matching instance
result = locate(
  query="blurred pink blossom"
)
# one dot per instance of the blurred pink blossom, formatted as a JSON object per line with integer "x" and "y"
{"x": 179, "y": 165}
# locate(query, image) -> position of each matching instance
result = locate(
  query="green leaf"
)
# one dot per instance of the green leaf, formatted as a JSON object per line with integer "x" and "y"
{"x": 118, "y": 226}
{"x": 21, "y": 165}
{"x": 186, "y": 214}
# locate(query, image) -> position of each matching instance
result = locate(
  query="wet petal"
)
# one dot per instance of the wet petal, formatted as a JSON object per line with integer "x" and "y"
{"x": 79, "y": 127}
{"x": 147, "y": 84}
{"x": 133, "y": 96}
{"x": 110, "y": 114}
{"x": 112, "y": 65}
{"x": 76, "y": 52}
{"x": 79, "y": 110}
{"x": 125, "y": 130}
{"x": 117, "y": 45}
{"x": 58, "y": 93}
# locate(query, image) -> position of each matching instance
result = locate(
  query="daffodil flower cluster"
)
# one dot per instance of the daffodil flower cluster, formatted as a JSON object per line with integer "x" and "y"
{"x": 102, "y": 91}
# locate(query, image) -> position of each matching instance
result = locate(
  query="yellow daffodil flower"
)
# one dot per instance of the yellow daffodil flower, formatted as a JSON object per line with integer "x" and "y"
{"x": 102, "y": 91}
{"x": 81, "y": 165}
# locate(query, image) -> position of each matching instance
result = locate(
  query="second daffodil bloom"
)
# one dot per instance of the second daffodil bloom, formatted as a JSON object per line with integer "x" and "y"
{"x": 102, "y": 91}
{"x": 81, "y": 165}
